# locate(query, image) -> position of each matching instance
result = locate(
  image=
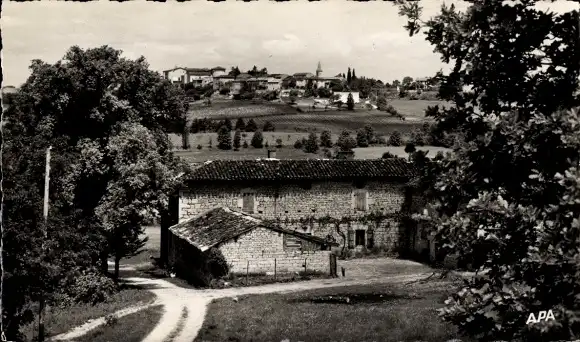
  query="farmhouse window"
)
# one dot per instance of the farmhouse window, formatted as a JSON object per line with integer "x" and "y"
{"x": 248, "y": 202}
{"x": 360, "y": 200}
{"x": 359, "y": 237}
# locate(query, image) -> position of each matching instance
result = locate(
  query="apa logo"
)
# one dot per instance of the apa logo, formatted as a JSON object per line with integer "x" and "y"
{"x": 543, "y": 315}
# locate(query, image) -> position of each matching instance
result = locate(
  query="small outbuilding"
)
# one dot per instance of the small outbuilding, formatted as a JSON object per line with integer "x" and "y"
{"x": 248, "y": 244}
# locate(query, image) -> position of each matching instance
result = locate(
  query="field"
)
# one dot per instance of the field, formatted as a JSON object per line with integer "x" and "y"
{"x": 377, "y": 152}
{"x": 373, "y": 313}
{"x": 244, "y": 153}
{"x": 288, "y": 119}
{"x": 288, "y": 138}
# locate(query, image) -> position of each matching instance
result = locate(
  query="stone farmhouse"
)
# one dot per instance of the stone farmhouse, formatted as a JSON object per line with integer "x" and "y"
{"x": 197, "y": 76}
{"x": 248, "y": 243}
{"x": 358, "y": 204}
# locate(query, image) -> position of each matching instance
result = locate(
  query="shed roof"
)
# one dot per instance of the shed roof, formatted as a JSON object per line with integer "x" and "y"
{"x": 222, "y": 224}
{"x": 305, "y": 169}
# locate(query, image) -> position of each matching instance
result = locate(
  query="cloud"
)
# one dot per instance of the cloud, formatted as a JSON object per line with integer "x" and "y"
{"x": 289, "y": 45}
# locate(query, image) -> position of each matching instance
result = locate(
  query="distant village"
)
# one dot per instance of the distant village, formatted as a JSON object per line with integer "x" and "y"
{"x": 234, "y": 83}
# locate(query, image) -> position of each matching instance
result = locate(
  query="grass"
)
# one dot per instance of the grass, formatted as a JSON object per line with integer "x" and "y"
{"x": 288, "y": 139}
{"x": 131, "y": 328}
{"x": 236, "y": 109}
{"x": 373, "y": 313}
{"x": 60, "y": 320}
{"x": 243, "y": 153}
{"x": 151, "y": 248}
{"x": 377, "y": 151}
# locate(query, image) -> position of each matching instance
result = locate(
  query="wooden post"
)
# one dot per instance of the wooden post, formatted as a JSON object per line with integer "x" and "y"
{"x": 304, "y": 266}
{"x": 41, "y": 306}
{"x": 247, "y": 272}
{"x": 274, "y": 268}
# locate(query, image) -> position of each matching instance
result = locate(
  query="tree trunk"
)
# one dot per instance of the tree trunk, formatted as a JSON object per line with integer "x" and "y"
{"x": 104, "y": 262}
{"x": 185, "y": 137}
{"x": 117, "y": 261}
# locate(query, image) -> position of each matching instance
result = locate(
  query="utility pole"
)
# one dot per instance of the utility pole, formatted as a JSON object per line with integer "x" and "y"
{"x": 41, "y": 306}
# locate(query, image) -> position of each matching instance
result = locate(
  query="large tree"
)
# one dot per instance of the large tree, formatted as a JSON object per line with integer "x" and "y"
{"x": 506, "y": 201}
{"x": 106, "y": 118}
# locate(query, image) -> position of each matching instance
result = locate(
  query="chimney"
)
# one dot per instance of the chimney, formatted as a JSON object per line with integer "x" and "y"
{"x": 271, "y": 153}
{"x": 349, "y": 155}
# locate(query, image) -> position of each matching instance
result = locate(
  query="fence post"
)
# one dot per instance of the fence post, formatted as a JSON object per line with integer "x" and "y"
{"x": 247, "y": 272}
{"x": 305, "y": 266}
{"x": 274, "y": 268}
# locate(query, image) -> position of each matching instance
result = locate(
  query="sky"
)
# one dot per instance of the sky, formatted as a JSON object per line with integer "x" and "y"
{"x": 283, "y": 37}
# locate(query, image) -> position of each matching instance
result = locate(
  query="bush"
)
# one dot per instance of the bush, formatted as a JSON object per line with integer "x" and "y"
{"x": 237, "y": 139}
{"x": 216, "y": 263}
{"x": 298, "y": 144}
{"x": 199, "y": 147}
{"x": 311, "y": 145}
{"x": 251, "y": 126}
{"x": 381, "y": 140}
{"x": 279, "y": 143}
{"x": 224, "y": 138}
{"x": 418, "y": 138}
{"x": 410, "y": 148}
{"x": 327, "y": 153}
{"x": 269, "y": 127}
{"x": 257, "y": 140}
{"x": 370, "y": 134}
{"x": 395, "y": 139}
{"x": 89, "y": 287}
{"x": 350, "y": 102}
{"x": 224, "y": 91}
{"x": 388, "y": 155}
{"x": 240, "y": 124}
{"x": 345, "y": 141}
{"x": 266, "y": 145}
{"x": 361, "y": 138}
{"x": 326, "y": 139}
{"x": 245, "y": 144}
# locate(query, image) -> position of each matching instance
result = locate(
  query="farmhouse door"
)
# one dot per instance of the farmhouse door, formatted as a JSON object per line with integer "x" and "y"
{"x": 333, "y": 266}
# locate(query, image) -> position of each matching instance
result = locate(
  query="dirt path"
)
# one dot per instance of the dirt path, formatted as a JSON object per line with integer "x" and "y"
{"x": 175, "y": 299}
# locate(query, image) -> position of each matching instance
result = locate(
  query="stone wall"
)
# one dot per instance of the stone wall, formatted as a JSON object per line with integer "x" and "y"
{"x": 262, "y": 250}
{"x": 288, "y": 203}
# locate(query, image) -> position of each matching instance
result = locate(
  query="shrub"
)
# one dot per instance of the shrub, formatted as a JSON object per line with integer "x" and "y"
{"x": 382, "y": 103}
{"x": 279, "y": 143}
{"x": 326, "y": 139}
{"x": 345, "y": 141}
{"x": 361, "y": 138}
{"x": 370, "y": 134}
{"x": 90, "y": 287}
{"x": 224, "y": 138}
{"x": 311, "y": 145}
{"x": 257, "y": 140}
{"x": 269, "y": 127}
{"x": 410, "y": 148}
{"x": 199, "y": 147}
{"x": 210, "y": 143}
{"x": 251, "y": 126}
{"x": 245, "y": 144}
{"x": 224, "y": 91}
{"x": 417, "y": 138}
{"x": 395, "y": 139}
{"x": 237, "y": 139}
{"x": 388, "y": 155}
{"x": 216, "y": 263}
{"x": 298, "y": 144}
{"x": 240, "y": 124}
{"x": 381, "y": 140}
{"x": 266, "y": 145}
{"x": 350, "y": 102}
{"x": 413, "y": 97}
{"x": 327, "y": 153}
{"x": 111, "y": 319}
{"x": 228, "y": 124}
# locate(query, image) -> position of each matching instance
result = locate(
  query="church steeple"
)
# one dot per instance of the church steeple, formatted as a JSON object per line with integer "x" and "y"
{"x": 318, "y": 70}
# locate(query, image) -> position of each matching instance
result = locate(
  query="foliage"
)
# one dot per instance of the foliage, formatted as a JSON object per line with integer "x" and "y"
{"x": 228, "y": 123}
{"x": 279, "y": 143}
{"x": 240, "y": 125}
{"x": 107, "y": 119}
{"x": 388, "y": 155}
{"x": 497, "y": 203}
{"x": 224, "y": 138}
{"x": 251, "y": 126}
{"x": 224, "y": 91}
{"x": 323, "y": 93}
{"x": 269, "y": 127}
{"x": 326, "y": 139}
{"x": 350, "y": 102}
{"x": 395, "y": 139}
{"x": 345, "y": 142}
{"x": 410, "y": 148}
{"x": 237, "y": 139}
{"x": 311, "y": 145}
{"x": 418, "y": 138}
{"x": 361, "y": 138}
{"x": 382, "y": 103}
{"x": 257, "y": 140}
{"x": 370, "y": 134}
{"x": 298, "y": 144}
{"x": 245, "y": 144}
{"x": 88, "y": 286}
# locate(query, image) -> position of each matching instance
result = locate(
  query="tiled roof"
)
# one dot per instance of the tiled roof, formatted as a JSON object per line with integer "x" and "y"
{"x": 223, "y": 224}
{"x": 306, "y": 169}
{"x": 219, "y": 68}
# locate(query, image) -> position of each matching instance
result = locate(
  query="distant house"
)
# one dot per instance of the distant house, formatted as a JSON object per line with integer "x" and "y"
{"x": 275, "y": 81}
{"x": 221, "y": 81}
{"x": 248, "y": 243}
{"x": 302, "y": 78}
{"x": 196, "y": 76}
{"x": 344, "y": 96}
